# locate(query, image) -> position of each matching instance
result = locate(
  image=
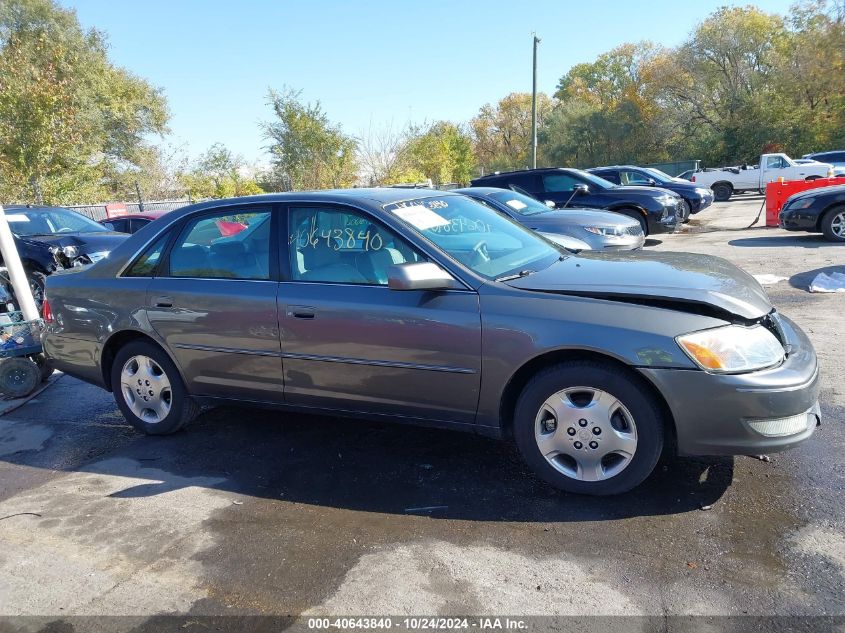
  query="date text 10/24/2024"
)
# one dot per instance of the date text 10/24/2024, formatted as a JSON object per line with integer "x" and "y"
{"x": 420, "y": 623}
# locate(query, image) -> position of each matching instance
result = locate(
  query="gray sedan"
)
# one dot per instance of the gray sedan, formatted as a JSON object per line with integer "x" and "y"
{"x": 428, "y": 307}
{"x": 602, "y": 230}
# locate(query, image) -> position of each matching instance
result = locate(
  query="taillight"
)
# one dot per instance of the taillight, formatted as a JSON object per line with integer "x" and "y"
{"x": 693, "y": 178}
{"x": 46, "y": 311}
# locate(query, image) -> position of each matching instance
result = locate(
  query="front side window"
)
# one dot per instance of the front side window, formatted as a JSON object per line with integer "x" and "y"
{"x": 634, "y": 178}
{"x": 224, "y": 246}
{"x": 775, "y": 162}
{"x": 331, "y": 245}
{"x": 559, "y": 183}
{"x": 488, "y": 243}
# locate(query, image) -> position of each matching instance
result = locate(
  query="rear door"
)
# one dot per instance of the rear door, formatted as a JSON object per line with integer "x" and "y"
{"x": 351, "y": 343}
{"x": 214, "y": 304}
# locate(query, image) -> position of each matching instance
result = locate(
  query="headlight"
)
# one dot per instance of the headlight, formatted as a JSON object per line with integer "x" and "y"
{"x": 95, "y": 257}
{"x": 70, "y": 251}
{"x": 732, "y": 349}
{"x": 799, "y": 204}
{"x": 667, "y": 199}
{"x": 611, "y": 231}
{"x": 703, "y": 192}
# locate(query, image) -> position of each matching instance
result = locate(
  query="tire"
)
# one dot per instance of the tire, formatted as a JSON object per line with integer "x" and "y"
{"x": 18, "y": 377}
{"x": 812, "y": 178}
{"x": 633, "y": 431}
{"x": 833, "y": 224}
{"x": 157, "y": 402}
{"x": 44, "y": 369}
{"x": 686, "y": 210}
{"x": 722, "y": 192}
{"x": 636, "y": 215}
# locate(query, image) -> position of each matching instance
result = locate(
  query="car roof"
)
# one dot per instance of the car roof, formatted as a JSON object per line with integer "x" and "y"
{"x": 32, "y": 207}
{"x": 615, "y": 167}
{"x": 480, "y": 191}
{"x": 377, "y": 195}
{"x": 498, "y": 174}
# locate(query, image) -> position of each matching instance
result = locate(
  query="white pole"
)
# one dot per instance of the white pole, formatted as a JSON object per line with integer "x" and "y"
{"x": 23, "y": 293}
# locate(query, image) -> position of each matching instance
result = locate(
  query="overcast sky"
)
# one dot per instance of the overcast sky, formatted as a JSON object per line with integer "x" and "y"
{"x": 377, "y": 61}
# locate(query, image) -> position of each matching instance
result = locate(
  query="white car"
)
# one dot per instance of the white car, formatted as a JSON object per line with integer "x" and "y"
{"x": 730, "y": 180}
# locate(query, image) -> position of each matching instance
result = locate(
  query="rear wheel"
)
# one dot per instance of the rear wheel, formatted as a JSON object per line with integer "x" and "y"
{"x": 833, "y": 224}
{"x": 722, "y": 191}
{"x": 589, "y": 428}
{"x": 149, "y": 390}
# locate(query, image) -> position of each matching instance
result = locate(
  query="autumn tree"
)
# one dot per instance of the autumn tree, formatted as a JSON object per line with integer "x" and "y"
{"x": 501, "y": 133}
{"x": 307, "y": 150}
{"x": 68, "y": 116}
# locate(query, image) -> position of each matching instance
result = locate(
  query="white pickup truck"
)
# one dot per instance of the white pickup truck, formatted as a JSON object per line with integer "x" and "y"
{"x": 727, "y": 181}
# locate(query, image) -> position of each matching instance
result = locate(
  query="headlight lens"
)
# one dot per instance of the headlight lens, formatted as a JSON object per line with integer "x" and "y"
{"x": 667, "y": 199}
{"x": 70, "y": 251}
{"x": 732, "y": 349}
{"x": 614, "y": 231}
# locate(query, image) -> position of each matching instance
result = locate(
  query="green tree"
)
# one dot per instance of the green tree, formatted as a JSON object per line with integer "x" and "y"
{"x": 441, "y": 151}
{"x": 218, "y": 173}
{"x": 68, "y": 116}
{"x": 308, "y": 151}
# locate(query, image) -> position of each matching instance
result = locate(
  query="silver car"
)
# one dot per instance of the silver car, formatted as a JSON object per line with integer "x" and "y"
{"x": 602, "y": 230}
{"x": 428, "y": 307}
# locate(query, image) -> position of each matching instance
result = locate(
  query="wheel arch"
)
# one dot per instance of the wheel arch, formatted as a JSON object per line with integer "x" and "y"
{"x": 520, "y": 378}
{"x": 829, "y": 209}
{"x": 124, "y": 337}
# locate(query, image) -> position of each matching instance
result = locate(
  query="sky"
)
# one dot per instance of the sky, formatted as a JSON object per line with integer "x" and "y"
{"x": 369, "y": 63}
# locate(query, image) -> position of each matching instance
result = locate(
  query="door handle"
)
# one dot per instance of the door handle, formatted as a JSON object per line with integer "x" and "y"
{"x": 163, "y": 302}
{"x": 301, "y": 312}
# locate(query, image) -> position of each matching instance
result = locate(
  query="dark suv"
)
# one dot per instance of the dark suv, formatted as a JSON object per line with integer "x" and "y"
{"x": 655, "y": 209}
{"x": 695, "y": 198}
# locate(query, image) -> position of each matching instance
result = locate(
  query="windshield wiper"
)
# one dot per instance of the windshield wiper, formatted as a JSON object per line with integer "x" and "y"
{"x": 521, "y": 273}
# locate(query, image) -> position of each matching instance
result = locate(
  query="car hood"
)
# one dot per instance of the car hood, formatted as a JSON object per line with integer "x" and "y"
{"x": 681, "y": 281}
{"x": 85, "y": 242}
{"x": 580, "y": 217}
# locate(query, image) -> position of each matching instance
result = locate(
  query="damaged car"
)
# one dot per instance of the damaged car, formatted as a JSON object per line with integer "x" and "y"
{"x": 428, "y": 307}
{"x": 54, "y": 238}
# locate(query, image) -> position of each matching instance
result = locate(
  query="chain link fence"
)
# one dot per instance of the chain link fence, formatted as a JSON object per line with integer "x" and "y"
{"x": 101, "y": 211}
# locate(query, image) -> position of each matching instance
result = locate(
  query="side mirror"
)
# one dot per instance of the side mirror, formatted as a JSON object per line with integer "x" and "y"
{"x": 581, "y": 189}
{"x": 549, "y": 203}
{"x": 420, "y": 276}
{"x": 651, "y": 182}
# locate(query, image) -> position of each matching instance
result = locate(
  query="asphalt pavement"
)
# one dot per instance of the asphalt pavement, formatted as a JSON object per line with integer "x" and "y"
{"x": 253, "y": 512}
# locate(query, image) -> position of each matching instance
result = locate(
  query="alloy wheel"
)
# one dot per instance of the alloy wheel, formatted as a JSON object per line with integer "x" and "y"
{"x": 146, "y": 389}
{"x": 586, "y": 433}
{"x": 837, "y": 225}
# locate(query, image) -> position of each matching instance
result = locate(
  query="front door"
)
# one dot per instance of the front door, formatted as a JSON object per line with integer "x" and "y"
{"x": 351, "y": 343}
{"x": 214, "y": 304}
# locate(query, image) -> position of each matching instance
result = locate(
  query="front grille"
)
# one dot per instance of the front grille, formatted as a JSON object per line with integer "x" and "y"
{"x": 634, "y": 230}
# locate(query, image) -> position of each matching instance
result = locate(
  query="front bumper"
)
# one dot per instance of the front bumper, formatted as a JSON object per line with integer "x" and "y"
{"x": 699, "y": 204}
{"x": 664, "y": 221}
{"x": 720, "y": 414}
{"x": 798, "y": 219}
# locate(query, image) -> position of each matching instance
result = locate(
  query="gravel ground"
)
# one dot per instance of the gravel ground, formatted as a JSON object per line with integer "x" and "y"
{"x": 251, "y": 512}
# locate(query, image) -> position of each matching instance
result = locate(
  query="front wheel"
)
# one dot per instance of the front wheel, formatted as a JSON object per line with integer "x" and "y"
{"x": 683, "y": 216}
{"x": 587, "y": 427}
{"x": 149, "y": 390}
{"x": 833, "y": 224}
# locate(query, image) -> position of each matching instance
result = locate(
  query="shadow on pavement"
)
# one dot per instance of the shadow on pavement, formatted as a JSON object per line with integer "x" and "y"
{"x": 379, "y": 467}
{"x": 802, "y": 280}
{"x": 809, "y": 240}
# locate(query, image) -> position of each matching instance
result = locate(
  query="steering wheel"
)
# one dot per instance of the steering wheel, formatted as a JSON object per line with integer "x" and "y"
{"x": 480, "y": 253}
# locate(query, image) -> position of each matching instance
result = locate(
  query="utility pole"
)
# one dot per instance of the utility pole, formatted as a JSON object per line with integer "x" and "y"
{"x": 534, "y": 108}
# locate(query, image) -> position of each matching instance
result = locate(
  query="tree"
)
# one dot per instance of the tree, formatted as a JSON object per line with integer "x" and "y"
{"x": 441, "y": 151}
{"x": 501, "y": 134}
{"x": 218, "y": 173}
{"x": 308, "y": 151}
{"x": 68, "y": 116}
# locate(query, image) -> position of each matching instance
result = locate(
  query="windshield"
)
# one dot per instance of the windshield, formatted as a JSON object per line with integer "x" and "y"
{"x": 601, "y": 183}
{"x": 50, "y": 222}
{"x": 519, "y": 203}
{"x": 658, "y": 175}
{"x": 483, "y": 240}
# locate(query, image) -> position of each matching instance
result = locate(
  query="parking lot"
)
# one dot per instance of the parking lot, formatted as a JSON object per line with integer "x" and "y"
{"x": 250, "y": 512}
